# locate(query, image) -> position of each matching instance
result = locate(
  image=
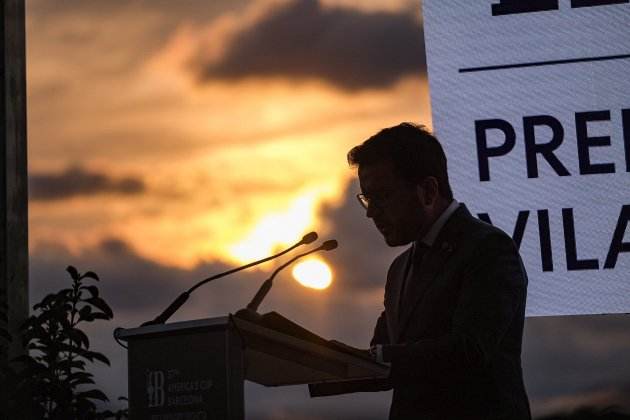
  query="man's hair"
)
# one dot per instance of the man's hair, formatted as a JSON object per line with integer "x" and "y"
{"x": 414, "y": 151}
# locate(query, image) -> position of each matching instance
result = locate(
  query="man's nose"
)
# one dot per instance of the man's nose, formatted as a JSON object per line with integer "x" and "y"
{"x": 371, "y": 211}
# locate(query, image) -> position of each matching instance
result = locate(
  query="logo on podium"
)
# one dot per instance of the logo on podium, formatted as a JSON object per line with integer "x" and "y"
{"x": 155, "y": 388}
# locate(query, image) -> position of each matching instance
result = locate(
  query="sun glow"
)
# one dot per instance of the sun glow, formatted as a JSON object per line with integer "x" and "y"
{"x": 277, "y": 230}
{"x": 313, "y": 273}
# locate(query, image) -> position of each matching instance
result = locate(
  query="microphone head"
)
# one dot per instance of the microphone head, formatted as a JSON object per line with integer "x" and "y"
{"x": 329, "y": 245}
{"x": 309, "y": 238}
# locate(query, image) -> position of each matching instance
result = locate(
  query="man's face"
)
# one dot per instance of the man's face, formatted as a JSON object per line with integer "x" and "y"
{"x": 395, "y": 205}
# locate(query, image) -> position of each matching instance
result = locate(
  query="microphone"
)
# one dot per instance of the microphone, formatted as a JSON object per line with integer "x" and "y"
{"x": 252, "y": 307}
{"x": 181, "y": 299}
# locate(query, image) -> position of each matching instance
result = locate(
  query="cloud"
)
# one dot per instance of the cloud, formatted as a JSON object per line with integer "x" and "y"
{"x": 77, "y": 181}
{"x": 595, "y": 401}
{"x": 135, "y": 285}
{"x": 304, "y": 40}
{"x": 574, "y": 355}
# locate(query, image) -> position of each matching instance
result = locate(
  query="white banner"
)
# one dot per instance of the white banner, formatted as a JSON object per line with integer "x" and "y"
{"x": 531, "y": 100}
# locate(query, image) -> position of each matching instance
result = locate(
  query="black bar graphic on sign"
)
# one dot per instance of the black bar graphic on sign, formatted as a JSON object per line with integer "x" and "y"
{"x": 510, "y": 7}
{"x": 589, "y": 3}
{"x": 544, "y": 63}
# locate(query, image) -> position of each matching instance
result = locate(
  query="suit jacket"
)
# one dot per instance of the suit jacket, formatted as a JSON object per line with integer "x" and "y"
{"x": 455, "y": 346}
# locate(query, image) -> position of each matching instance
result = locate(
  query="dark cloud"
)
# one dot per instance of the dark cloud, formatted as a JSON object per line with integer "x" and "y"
{"x": 136, "y": 286}
{"x": 346, "y": 47}
{"x": 577, "y": 355}
{"x": 76, "y": 181}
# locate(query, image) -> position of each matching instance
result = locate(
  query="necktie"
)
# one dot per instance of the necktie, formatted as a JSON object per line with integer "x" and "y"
{"x": 412, "y": 277}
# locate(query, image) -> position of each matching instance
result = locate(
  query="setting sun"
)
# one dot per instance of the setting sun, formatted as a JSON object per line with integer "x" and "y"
{"x": 313, "y": 273}
{"x": 277, "y": 230}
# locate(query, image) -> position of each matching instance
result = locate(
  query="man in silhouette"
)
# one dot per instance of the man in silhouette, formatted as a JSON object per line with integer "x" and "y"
{"x": 454, "y": 300}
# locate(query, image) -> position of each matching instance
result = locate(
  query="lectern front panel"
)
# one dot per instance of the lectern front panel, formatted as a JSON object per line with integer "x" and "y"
{"x": 186, "y": 375}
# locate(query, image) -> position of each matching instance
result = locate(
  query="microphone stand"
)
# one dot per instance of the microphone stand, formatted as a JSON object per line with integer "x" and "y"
{"x": 181, "y": 299}
{"x": 252, "y": 307}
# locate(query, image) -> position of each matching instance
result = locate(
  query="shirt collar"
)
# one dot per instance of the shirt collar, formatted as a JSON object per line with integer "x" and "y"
{"x": 437, "y": 226}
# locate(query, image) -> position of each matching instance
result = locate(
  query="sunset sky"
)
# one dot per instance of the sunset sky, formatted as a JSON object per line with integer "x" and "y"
{"x": 171, "y": 140}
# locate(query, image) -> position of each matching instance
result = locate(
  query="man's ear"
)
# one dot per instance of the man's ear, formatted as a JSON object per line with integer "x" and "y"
{"x": 427, "y": 191}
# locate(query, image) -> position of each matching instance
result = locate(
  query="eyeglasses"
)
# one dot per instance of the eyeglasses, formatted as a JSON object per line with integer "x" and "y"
{"x": 367, "y": 201}
{"x": 363, "y": 200}
{"x": 380, "y": 199}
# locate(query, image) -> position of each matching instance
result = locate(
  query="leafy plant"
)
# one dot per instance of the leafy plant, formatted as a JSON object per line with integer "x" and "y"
{"x": 53, "y": 382}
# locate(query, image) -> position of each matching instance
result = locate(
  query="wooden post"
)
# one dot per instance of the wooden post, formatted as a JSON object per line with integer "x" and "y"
{"x": 13, "y": 171}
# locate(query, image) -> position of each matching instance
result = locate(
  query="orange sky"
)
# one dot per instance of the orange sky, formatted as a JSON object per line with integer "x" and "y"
{"x": 227, "y": 165}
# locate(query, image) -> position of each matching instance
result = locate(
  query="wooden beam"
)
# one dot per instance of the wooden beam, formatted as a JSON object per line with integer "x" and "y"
{"x": 13, "y": 170}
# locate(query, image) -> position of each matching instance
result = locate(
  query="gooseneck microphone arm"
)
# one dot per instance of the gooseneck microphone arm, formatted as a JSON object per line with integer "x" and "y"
{"x": 306, "y": 239}
{"x": 181, "y": 299}
{"x": 266, "y": 286}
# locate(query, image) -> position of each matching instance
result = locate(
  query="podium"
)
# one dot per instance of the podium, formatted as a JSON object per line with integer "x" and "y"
{"x": 195, "y": 370}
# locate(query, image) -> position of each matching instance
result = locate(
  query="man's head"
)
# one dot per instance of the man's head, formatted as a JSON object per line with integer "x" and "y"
{"x": 404, "y": 182}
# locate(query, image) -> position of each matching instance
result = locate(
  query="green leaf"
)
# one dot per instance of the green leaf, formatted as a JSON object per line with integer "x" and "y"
{"x": 73, "y": 272}
{"x": 92, "y": 289}
{"x": 81, "y": 378}
{"x": 35, "y": 346}
{"x": 100, "y": 304}
{"x": 46, "y": 301}
{"x": 78, "y": 337}
{"x": 69, "y": 364}
{"x": 72, "y": 364}
{"x": 93, "y": 394}
{"x": 91, "y": 274}
{"x": 93, "y": 355}
{"x": 85, "y": 313}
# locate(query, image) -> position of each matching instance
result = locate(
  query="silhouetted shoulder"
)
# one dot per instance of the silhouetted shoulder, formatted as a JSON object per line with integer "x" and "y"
{"x": 480, "y": 232}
